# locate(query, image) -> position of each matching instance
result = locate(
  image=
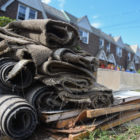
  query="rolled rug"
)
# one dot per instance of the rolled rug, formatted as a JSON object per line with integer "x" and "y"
{"x": 51, "y": 33}
{"x": 39, "y": 53}
{"x": 55, "y": 68}
{"x": 43, "y": 97}
{"x": 15, "y": 76}
{"x": 94, "y": 62}
{"x": 67, "y": 55}
{"x": 69, "y": 82}
{"x": 93, "y": 99}
{"x": 14, "y": 40}
{"x": 18, "y": 119}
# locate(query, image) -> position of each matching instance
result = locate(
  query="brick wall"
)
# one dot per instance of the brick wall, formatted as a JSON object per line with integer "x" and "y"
{"x": 11, "y": 10}
{"x": 93, "y": 46}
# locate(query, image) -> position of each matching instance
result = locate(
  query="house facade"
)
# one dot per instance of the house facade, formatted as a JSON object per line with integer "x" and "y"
{"x": 22, "y": 9}
{"x": 109, "y": 49}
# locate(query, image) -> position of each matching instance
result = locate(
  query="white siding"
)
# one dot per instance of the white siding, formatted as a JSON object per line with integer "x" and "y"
{"x": 84, "y": 24}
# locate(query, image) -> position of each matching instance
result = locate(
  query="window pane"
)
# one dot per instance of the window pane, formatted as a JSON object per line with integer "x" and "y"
{"x": 22, "y": 11}
{"x": 83, "y": 36}
{"x": 80, "y": 33}
{"x": 84, "y": 39}
{"x": 32, "y": 14}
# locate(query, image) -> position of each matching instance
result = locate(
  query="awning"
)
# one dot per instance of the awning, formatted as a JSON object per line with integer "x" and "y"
{"x": 111, "y": 59}
{"x": 101, "y": 55}
{"x": 131, "y": 66}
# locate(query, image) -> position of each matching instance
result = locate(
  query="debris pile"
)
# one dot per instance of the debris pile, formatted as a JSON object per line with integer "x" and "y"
{"x": 77, "y": 124}
{"x": 40, "y": 71}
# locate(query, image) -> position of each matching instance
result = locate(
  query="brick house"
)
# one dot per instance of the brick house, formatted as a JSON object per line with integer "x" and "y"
{"x": 99, "y": 44}
{"x": 22, "y": 9}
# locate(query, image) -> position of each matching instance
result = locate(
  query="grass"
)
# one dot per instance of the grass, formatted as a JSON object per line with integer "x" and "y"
{"x": 119, "y": 133}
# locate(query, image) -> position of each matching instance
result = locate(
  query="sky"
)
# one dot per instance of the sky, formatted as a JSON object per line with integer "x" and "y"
{"x": 115, "y": 17}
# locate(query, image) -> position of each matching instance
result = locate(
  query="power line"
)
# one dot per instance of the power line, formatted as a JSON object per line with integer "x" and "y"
{"x": 122, "y": 24}
{"x": 120, "y": 14}
{"x": 127, "y": 28}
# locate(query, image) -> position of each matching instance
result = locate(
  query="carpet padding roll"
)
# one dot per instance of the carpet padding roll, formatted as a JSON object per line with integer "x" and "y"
{"x": 18, "y": 119}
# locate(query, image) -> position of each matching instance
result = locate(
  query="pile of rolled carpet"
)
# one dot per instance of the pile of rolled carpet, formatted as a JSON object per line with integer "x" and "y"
{"x": 40, "y": 70}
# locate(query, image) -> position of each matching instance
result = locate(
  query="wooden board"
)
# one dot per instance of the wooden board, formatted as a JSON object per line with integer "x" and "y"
{"x": 124, "y": 117}
{"x": 110, "y": 110}
{"x": 59, "y": 116}
{"x": 68, "y": 123}
{"x": 96, "y": 124}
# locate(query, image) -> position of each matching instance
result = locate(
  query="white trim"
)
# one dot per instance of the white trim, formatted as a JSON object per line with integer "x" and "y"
{"x": 3, "y": 8}
{"x": 42, "y": 10}
{"x": 66, "y": 15}
{"x": 129, "y": 56}
{"x": 84, "y": 23}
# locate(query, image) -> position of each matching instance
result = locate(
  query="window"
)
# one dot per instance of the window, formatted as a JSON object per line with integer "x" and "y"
{"x": 25, "y": 12}
{"x": 32, "y": 14}
{"x": 84, "y": 36}
{"x": 21, "y": 12}
{"x": 129, "y": 56}
{"x": 119, "y": 51}
{"x": 101, "y": 43}
{"x": 136, "y": 59}
{"x": 108, "y": 47}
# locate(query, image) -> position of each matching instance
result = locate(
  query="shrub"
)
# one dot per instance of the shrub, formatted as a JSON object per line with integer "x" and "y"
{"x": 5, "y": 20}
{"x": 138, "y": 71}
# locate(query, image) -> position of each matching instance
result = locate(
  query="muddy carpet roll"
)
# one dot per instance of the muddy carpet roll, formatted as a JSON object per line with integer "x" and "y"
{"x": 67, "y": 55}
{"x": 55, "y": 67}
{"x": 93, "y": 99}
{"x": 51, "y": 33}
{"x": 18, "y": 118}
{"x": 69, "y": 82}
{"x": 43, "y": 97}
{"x": 21, "y": 74}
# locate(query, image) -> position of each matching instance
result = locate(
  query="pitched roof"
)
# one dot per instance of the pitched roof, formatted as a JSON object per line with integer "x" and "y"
{"x": 54, "y": 12}
{"x": 5, "y": 4}
{"x": 2, "y": 2}
{"x": 72, "y": 18}
{"x": 134, "y": 47}
{"x": 117, "y": 38}
{"x": 128, "y": 48}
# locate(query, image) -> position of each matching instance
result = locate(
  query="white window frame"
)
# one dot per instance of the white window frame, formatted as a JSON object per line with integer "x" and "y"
{"x": 102, "y": 42}
{"x": 26, "y": 12}
{"x": 119, "y": 51}
{"x": 108, "y": 47}
{"x": 85, "y": 34}
{"x": 129, "y": 56}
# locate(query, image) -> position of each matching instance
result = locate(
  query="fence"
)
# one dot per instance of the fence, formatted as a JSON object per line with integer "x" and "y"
{"x": 118, "y": 80}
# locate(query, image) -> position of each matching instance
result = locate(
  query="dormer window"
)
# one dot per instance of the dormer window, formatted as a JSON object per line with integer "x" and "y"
{"x": 101, "y": 43}
{"x": 84, "y": 35}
